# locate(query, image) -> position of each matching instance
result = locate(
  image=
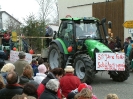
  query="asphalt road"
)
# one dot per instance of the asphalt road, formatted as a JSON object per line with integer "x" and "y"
{"x": 104, "y": 85}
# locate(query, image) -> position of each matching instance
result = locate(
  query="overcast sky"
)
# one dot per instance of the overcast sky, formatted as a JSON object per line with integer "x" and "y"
{"x": 19, "y": 8}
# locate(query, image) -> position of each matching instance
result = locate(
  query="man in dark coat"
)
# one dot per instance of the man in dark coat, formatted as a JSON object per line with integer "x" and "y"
{"x": 50, "y": 92}
{"x": 49, "y": 33}
{"x": 56, "y": 73}
{"x": 12, "y": 88}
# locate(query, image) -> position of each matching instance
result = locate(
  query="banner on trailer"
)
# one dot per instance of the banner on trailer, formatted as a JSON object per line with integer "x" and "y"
{"x": 14, "y": 56}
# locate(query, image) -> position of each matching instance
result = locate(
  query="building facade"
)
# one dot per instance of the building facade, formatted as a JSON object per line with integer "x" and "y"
{"x": 7, "y": 21}
{"x": 117, "y": 11}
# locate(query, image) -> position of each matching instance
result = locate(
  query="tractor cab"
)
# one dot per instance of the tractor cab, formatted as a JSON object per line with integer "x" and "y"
{"x": 74, "y": 31}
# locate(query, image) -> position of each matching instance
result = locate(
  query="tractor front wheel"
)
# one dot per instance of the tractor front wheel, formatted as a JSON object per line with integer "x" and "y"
{"x": 55, "y": 57}
{"x": 84, "y": 68}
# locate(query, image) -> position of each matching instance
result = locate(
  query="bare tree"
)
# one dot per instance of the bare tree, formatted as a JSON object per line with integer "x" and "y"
{"x": 46, "y": 8}
{"x": 12, "y": 25}
{"x": 56, "y": 14}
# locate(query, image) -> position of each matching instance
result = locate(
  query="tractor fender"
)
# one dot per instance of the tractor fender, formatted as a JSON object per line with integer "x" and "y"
{"x": 58, "y": 44}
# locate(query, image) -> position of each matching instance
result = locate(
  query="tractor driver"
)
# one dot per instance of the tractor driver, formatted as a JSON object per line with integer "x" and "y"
{"x": 79, "y": 30}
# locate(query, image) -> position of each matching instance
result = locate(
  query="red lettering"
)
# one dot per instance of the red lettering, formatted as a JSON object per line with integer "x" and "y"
{"x": 120, "y": 56}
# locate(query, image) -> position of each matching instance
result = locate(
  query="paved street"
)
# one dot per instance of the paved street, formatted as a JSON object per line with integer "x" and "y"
{"x": 103, "y": 85}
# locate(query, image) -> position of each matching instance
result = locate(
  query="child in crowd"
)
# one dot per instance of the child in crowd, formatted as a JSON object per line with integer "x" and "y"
{"x": 41, "y": 75}
{"x": 34, "y": 65}
{"x": 111, "y": 96}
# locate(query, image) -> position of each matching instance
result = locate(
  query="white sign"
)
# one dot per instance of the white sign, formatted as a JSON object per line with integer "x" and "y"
{"x": 130, "y": 30}
{"x": 14, "y": 56}
{"x": 110, "y": 61}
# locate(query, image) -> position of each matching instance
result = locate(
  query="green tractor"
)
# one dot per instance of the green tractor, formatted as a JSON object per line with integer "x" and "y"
{"x": 77, "y": 42}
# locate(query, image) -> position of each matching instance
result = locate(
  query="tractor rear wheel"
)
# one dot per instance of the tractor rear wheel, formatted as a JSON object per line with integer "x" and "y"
{"x": 84, "y": 68}
{"x": 55, "y": 57}
{"x": 121, "y": 76}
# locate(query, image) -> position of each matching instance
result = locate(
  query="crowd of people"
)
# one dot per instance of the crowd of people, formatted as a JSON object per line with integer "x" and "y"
{"x": 21, "y": 80}
{"x": 126, "y": 47}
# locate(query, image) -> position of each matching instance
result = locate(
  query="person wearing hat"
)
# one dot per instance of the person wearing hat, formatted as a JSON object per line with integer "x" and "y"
{"x": 20, "y": 63}
{"x": 69, "y": 82}
{"x": 73, "y": 93}
{"x": 41, "y": 75}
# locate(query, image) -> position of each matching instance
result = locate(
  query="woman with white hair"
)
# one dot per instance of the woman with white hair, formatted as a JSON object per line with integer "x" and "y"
{"x": 9, "y": 67}
{"x": 51, "y": 90}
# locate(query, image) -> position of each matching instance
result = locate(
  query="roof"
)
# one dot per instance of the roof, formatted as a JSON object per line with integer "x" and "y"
{"x": 9, "y": 15}
{"x": 80, "y": 18}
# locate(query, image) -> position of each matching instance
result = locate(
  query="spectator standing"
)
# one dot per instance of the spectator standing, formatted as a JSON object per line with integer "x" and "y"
{"x": 30, "y": 90}
{"x": 125, "y": 45}
{"x": 51, "y": 90}
{"x": 49, "y": 33}
{"x": 12, "y": 88}
{"x": 129, "y": 49}
{"x": 27, "y": 76}
{"x": 2, "y": 58}
{"x": 9, "y": 67}
{"x": 85, "y": 93}
{"x": 19, "y": 97}
{"x": 117, "y": 44}
{"x": 111, "y": 96}
{"x": 72, "y": 94}
{"x": 131, "y": 58}
{"x": 130, "y": 39}
{"x": 34, "y": 65}
{"x": 40, "y": 61}
{"x": 41, "y": 75}
{"x": 2, "y": 85}
{"x": 23, "y": 97}
{"x": 111, "y": 44}
{"x": 20, "y": 63}
{"x": 6, "y": 37}
{"x": 55, "y": 73}
{"x": 69, "y": 82}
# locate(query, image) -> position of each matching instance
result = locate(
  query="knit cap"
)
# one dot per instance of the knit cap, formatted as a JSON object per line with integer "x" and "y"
{"x": 42, "y": 68}
{"x": 83, "y": 85}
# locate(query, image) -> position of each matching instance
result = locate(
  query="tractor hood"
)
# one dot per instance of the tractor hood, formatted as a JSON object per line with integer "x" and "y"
{"x": 94, "y": 44}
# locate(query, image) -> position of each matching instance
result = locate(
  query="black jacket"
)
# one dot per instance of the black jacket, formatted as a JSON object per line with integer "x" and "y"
{"x": 48, "y": 94}
{"x": 49, "y": 76}
{"x": 10, "y": 91}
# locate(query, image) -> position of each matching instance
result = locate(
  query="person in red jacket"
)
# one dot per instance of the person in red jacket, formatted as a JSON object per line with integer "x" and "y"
{"x": 56, "y": 73}
{"x": 6, "y": 37}
{"x": 69, "y": 82}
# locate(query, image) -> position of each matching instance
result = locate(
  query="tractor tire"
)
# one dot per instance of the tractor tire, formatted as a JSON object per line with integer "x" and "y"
{"x": 55, "y": 57}
{"x": 121, "y": 76}
{"x": 84, "y": 68}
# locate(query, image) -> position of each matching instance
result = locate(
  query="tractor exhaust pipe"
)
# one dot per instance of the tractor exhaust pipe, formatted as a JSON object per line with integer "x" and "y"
{"x": 103, "y": 22}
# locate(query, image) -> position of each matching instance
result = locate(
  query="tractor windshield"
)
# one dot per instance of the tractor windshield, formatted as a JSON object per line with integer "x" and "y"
{"x": 87, "y": 30}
